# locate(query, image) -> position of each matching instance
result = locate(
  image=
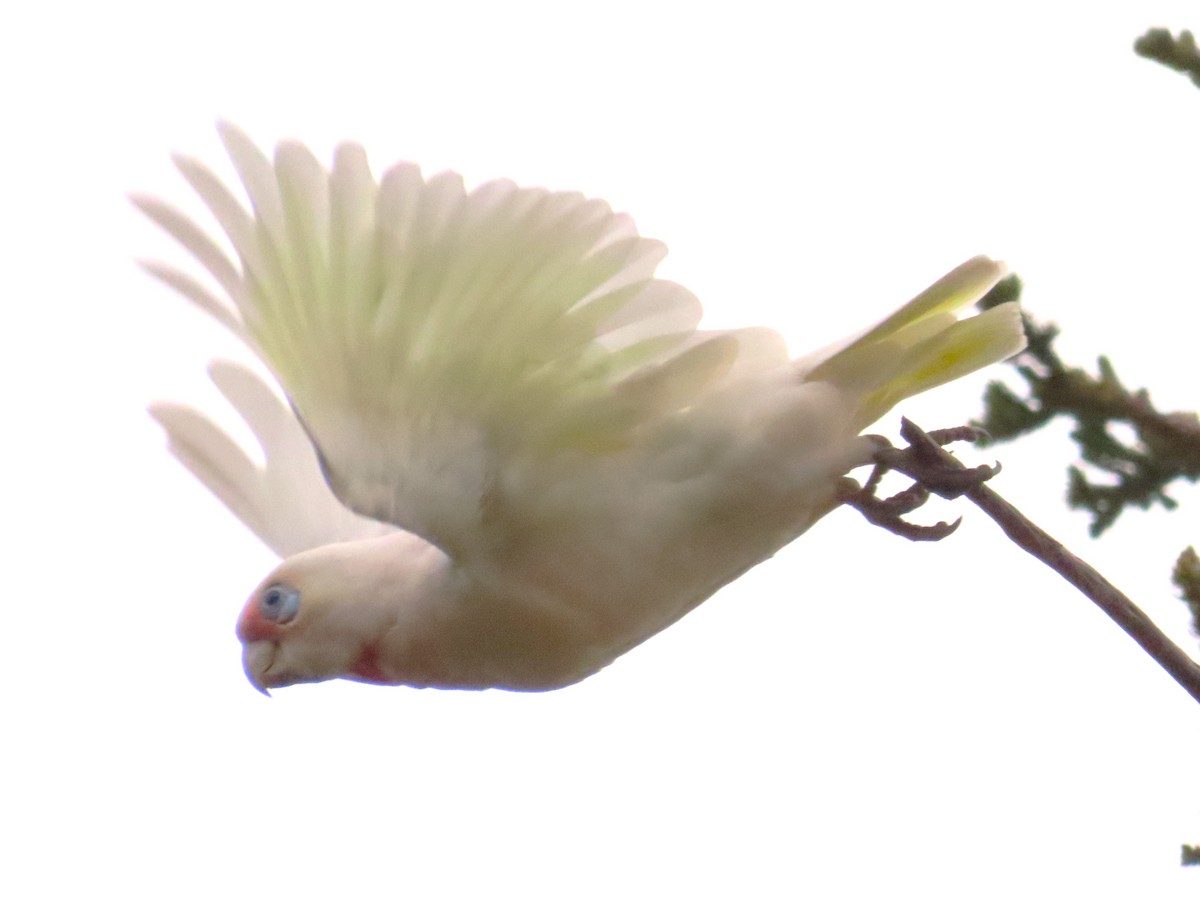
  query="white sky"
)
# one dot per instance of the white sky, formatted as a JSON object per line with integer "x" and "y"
{"x": 859, "y": 720}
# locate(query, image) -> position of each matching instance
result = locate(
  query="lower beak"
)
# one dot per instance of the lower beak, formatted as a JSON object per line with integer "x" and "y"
{"x": 257, "y": 657}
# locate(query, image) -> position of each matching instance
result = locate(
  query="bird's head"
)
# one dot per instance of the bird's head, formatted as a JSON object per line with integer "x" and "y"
{"x": 321, "y": 614}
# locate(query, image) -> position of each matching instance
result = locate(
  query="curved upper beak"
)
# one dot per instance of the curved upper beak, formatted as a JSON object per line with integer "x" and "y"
{"x": 257, "y": 657}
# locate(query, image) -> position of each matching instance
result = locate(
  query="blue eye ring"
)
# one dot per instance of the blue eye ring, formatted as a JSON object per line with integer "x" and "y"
{"x": 279, "y": 603}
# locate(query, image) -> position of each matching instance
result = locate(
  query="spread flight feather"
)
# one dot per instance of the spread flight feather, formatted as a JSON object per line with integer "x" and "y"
{"x": 500, "y": 372}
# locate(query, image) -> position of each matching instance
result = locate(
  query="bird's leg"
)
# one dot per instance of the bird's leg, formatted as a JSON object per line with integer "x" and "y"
{"x": 932, "y": 469}
{"x": 936, "y": 471}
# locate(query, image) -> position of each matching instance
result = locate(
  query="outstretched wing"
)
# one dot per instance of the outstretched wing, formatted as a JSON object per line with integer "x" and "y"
{"x": 428, "y": 337}
{"x": 284, "y": 500}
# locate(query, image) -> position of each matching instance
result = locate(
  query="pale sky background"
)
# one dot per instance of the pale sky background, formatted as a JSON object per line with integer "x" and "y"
{"x": 859, "y": 720}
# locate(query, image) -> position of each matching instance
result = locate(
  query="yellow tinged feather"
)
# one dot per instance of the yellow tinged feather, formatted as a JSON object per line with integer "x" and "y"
{"x": 960, "y": 349}
{"x": 430, "y": 337}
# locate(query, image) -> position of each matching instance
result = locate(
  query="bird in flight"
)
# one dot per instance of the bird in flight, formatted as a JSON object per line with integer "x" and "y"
{"x": 505, "y": 454}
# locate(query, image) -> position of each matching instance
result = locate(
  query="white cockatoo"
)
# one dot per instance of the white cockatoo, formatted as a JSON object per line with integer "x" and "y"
{"x": 508, "y": 455}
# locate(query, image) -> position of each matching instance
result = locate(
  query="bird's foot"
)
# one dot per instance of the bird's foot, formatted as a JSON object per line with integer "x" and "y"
{"x": 932, "y": 469}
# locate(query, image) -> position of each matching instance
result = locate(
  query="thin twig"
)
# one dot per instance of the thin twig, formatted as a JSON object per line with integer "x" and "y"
{"x": 936, "y": 470}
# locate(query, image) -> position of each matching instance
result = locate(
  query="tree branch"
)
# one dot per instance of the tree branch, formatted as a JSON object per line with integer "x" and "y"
{"x": 935, "y": 470}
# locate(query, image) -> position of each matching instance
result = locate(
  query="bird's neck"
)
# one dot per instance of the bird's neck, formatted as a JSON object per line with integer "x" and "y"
{"x": 430, "y": 624}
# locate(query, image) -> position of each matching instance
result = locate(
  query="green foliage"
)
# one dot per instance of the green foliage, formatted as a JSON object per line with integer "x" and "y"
{"x": 1179, "y": 53}
{"x": 1136, "y": 470}
{"x": 1186, "y": 576}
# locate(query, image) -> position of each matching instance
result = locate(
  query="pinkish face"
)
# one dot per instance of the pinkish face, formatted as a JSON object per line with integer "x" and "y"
{"x": 261, "y": 627}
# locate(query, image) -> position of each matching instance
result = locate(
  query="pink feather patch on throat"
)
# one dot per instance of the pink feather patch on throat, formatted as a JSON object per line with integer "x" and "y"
{"x": 367, "y": 669}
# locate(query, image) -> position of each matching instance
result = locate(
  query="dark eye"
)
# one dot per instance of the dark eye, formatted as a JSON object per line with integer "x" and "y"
{"x": 279, "y": 603}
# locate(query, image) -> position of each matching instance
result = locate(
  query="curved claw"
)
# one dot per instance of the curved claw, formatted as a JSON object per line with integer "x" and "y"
{"x": 932, "y": 469}
{"x": 888, "y": 513}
